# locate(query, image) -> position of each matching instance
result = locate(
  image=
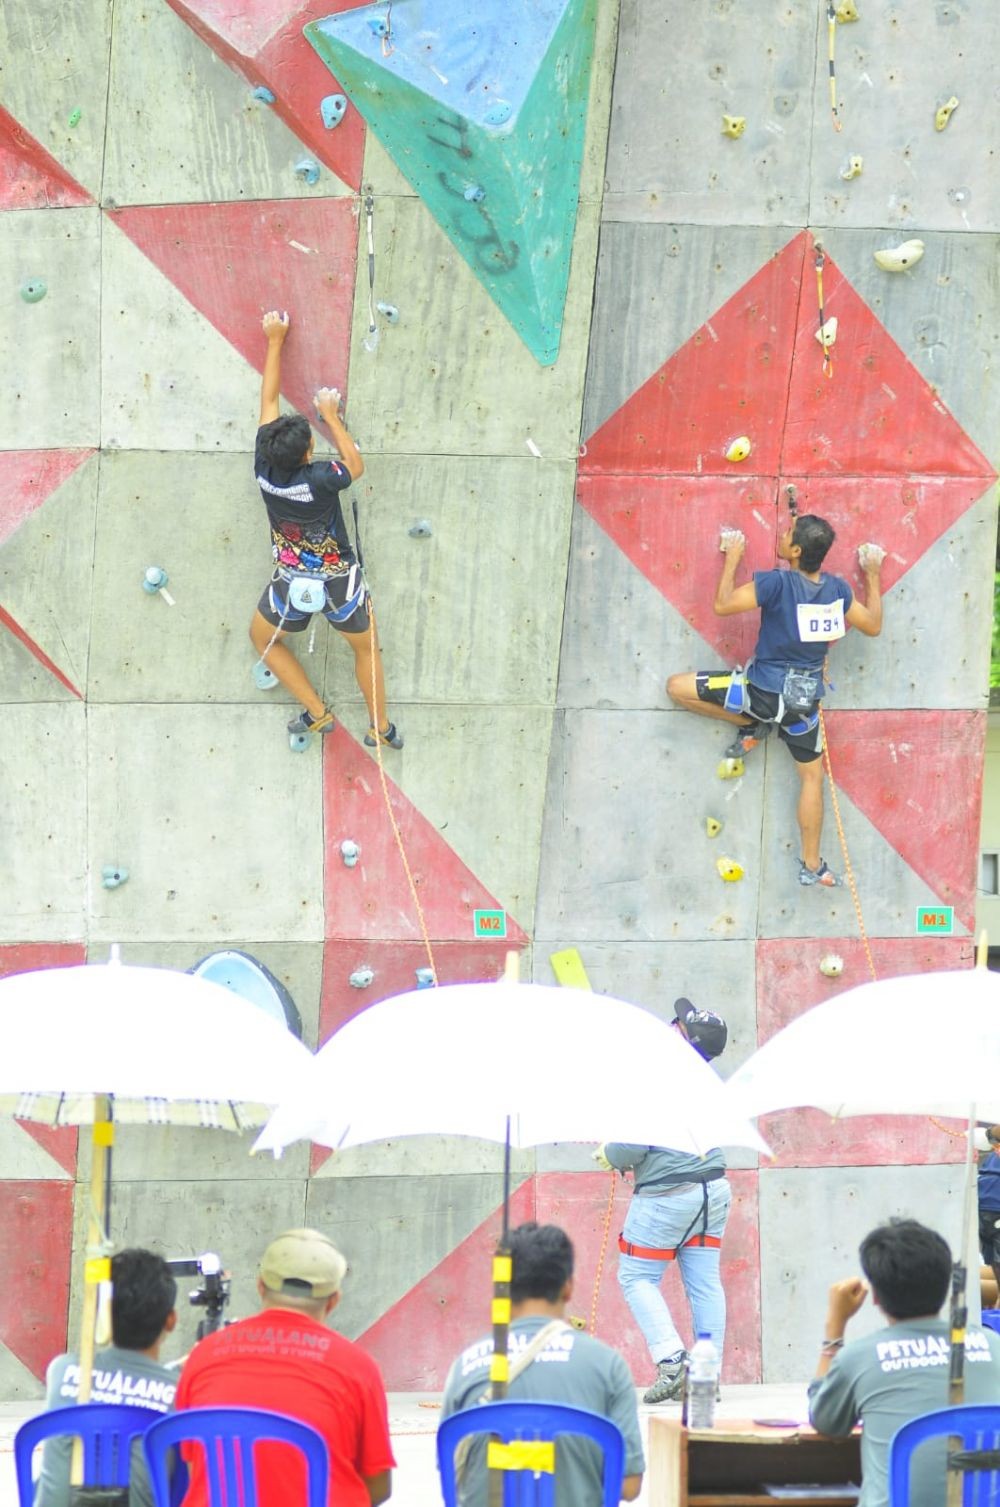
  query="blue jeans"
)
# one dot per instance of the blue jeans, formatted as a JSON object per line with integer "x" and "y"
{"x": 660, "y": 1223}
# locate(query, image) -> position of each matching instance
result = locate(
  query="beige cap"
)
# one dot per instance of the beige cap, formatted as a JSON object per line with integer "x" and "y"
{"x": 302, "y": 1263}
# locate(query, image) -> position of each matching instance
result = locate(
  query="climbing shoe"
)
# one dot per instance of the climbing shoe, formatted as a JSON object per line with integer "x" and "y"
{"x": 748, "y": 738}
{"x": 824, "y": 875}
{"x": 304, "y": 723}
{"x": 670, "y": 1379}
{"x": 387, "y": 736}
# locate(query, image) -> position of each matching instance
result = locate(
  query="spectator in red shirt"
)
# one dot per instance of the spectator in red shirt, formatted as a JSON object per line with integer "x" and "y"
{"x": 287, "y": 1360}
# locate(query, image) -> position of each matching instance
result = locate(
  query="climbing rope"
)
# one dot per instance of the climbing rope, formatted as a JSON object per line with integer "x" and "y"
{"x": 820, "y": 263}
{"x": 831, "y": 41}
{"x": 608, "y": 1212}
{"x": 377, "y": 723}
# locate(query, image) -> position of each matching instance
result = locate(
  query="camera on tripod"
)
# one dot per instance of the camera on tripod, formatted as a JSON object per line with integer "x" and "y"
{"x": 213, "y": 1295}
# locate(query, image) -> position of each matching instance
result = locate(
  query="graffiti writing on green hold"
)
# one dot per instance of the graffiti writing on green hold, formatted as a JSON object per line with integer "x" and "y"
{"x": 471, "y": 219}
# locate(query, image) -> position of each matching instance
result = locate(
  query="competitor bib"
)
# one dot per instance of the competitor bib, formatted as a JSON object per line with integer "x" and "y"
{"x": 821, "y": 624}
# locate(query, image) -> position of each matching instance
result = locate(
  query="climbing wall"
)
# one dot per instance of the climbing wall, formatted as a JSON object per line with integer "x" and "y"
{"x": 577, "y": 292}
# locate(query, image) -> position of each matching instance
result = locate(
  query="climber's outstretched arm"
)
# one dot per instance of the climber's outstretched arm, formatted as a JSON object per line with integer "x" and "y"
{"x": 275, "y": 328}
{"x": 730, "y": 598}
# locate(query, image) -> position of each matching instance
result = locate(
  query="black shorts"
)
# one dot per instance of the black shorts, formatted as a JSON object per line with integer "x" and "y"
{"x": 274, "y": 606}
{"x": 989, "y": 1236}
{"x": 804, "y": 747}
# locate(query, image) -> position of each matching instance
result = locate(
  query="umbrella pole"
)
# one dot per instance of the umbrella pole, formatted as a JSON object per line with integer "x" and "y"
{"x": 502, "y": 1265}
{"x": 97, "y": 1266}
{"x": 959, "y": 1315}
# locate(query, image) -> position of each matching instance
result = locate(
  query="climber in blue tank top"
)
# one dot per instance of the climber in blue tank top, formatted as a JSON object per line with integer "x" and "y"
{"x": 803, "y": 611}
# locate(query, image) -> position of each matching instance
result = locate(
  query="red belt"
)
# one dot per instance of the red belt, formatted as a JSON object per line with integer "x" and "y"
{"x": 650, "y": 1253}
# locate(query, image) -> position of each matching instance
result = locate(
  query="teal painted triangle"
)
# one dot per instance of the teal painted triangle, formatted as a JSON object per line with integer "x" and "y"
{"x": 485, "y": 118}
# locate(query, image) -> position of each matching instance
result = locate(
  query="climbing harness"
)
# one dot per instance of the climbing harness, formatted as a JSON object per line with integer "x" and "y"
{"x": 798, "y": 694}
{"x": 824, "y": 334}
{"x": 831, "y": 41}
{"x": 656, "y": 1253}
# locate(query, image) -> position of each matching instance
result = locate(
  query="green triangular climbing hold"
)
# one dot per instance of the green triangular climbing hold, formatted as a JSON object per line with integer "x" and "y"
{"x": 483, "y": 110}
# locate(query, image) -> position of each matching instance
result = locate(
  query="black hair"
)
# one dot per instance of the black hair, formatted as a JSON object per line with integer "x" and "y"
{"x": 542, "y": 1261}
{"x": 813, "y": 536}
{"x": 144, "y": 1294}
{"x": 908, "y": 1267}
{"x": 285, "y": 441}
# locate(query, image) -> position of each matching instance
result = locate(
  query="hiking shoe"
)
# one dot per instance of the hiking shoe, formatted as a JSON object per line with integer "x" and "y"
{"x": 387, "y": 736}
{"x": 824, "y": 875}
{"x": 304, "y": 723}
{"x": 670, "y": 1379}
{"x": 748, "y": 738}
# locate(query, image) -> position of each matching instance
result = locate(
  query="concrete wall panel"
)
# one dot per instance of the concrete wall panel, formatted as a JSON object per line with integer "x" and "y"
{"x": 474, "y": 612}
{"x": 42, "y": 839}
{"x": 452, "y": 377}
{"x": 169, "y": 381}
{"x": 47, "y": 348}
{"x": 609, "y": 872}
{"x": 218, "y": 561}
{"x": 180, "y": 893}
{"x": 678, "y": 73}
{"x": 213, "y": 139}
{"x": 811, "y": 1223}
{"x": 59, "y": 64}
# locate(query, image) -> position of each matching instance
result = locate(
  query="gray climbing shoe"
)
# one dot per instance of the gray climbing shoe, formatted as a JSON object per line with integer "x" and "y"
{"x": 303, "y": 723}
{"x": 669, "y": 1383}
{"x": 388, "y": 737}
{"x": 748, "y": 738}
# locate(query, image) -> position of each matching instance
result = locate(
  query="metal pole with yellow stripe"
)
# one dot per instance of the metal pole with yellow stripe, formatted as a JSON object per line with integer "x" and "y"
{"x": 97, "y": 1270}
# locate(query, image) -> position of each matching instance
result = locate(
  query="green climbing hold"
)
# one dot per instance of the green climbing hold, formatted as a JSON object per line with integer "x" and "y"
{"x": 33, "y": 289}
{"x": 75, "y": 116}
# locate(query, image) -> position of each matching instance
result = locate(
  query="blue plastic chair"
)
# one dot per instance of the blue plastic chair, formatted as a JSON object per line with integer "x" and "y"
{"x": 228, "y": 1437}
{"x": 978, "y": 1427}
{"x": 107, "y": 1431}
{"x": 535, "y": 1421}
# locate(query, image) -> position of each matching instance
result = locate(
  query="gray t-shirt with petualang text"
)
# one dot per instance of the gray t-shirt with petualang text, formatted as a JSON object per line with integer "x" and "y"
{"x": 571, "y": 1368}
{"x": 119, "y": 1376}
{"x": 882, "y": 1380}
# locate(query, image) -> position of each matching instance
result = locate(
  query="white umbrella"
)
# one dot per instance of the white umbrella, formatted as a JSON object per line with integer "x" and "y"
{"x": 926, "y": 1044}
{"x": 563, "y": 1065}
{"x": 169, "y": 1048}
{"x": 106, "y": 1043}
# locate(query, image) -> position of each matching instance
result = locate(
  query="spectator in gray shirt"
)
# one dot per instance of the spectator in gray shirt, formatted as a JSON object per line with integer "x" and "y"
{"x": 144, "y": 1293}
{"x": 884, "y": 1379}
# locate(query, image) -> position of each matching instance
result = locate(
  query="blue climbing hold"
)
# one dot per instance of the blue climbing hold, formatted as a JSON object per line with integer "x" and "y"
{"x": 425, "y": 978}
{"x": 112, "y": 876}
{"x": 307, "y": 170}
{"x": 389, "y": 312}
{"x": 154, "y": 579}
{"x": 378, "y": 26}
{"x": 264, "y": 94}
{"x": 34, "y": 289}
{"x": 263, "y": 678}
{"x": 474, "y": 194}
{"x": 333, "y": 109}
{"x": 498, "y": 114}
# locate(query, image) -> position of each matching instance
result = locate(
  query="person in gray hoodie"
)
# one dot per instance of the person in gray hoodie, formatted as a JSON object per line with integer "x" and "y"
{"x": 680, "y": 1205}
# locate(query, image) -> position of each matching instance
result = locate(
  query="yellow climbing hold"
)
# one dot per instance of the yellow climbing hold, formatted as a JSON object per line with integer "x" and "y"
{"x": 899, "y": 258}
{"x": 730, "y": 769}
{"x": 735, "y": 125}
{"x": 712, "y": 827}
{"x": 847, "y": 11}
{"x": 944, "y": 113}
{"x": 739, "y": 449}
{"x": 853, "y": 168}
{"x": 729, "y": 869}
{"x": 831, "y": 965}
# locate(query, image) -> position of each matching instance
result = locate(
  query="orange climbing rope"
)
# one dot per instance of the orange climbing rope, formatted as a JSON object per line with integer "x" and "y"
{"x": 377, "y": 723}
{"x": 608, "y": 1212}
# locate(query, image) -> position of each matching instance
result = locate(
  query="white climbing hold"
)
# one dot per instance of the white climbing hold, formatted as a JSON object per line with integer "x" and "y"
{"x": 827, "y": 333}
{"x": 831, "y": 965}
{"x": 739, "y": 448}
{"x": 900, "y": 258}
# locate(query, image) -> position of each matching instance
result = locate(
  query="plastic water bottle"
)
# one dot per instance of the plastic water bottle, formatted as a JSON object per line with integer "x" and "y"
{"x": 703, "y": 1383}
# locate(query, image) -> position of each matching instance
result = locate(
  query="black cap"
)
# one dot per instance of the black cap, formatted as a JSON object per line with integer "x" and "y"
{"x": 706, "y": 1031}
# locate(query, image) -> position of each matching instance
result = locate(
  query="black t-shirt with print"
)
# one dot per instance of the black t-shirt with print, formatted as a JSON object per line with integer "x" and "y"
{"x": 308, "y": 531}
